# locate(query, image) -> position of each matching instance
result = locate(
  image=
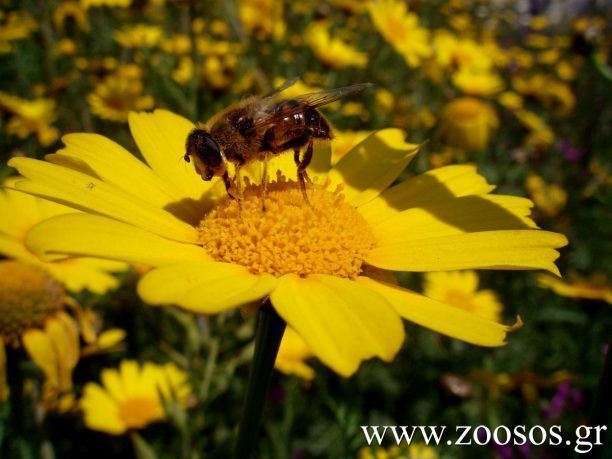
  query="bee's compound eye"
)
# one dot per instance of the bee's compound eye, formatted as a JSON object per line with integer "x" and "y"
{"x": 187, "y": 158}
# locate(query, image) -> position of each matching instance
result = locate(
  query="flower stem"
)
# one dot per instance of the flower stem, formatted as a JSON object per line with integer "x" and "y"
{"x": 270, "y": 329}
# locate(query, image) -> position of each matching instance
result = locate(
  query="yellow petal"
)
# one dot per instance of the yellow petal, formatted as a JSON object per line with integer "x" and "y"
{"x": 373, "y": 165}
{"x": 40, "y": 349}
{"x": 467, "y": 214}
{"x": 95, "y": 236}
{"x": 161, "y": 138}
{"x": 204, "y": 287}
{"x": 341, "y": 321}
{"x": 432, "y": 186}
{"x": 115, "y": 165}
{"x": 110, "y": 338}
{"x": 85, "y": 192}
{"x": 100, "y": 411}
{"x": 441, "y": 317}
{"x": 512, "y": 249}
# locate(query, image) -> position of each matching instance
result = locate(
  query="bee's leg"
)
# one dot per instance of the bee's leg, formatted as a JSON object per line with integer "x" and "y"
{"x": 238, "y": 184}
{"x": 301, "y": 169}
{"x": 228, "y": 185}
{"x": 264, "y": 183}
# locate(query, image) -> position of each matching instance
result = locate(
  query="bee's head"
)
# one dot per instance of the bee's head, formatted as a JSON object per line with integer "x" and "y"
{"x": 206, "y": 154}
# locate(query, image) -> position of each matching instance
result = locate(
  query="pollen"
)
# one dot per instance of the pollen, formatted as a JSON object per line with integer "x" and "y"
{"x": 323, "y": 236}
{"x": 28, "y": 297}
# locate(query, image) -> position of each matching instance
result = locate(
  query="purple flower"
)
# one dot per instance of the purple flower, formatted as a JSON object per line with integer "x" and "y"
{"x": 569, "y": 152}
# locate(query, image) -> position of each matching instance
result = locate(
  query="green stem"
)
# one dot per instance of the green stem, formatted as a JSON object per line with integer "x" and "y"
{"x": 15, "y": 383}
{"x": 270, "y": 329}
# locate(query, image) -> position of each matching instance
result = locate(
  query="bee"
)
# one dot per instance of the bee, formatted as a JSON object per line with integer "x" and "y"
{"x": 259, "y": 128}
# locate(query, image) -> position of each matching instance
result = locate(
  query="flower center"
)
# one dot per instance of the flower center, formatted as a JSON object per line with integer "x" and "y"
{"x": 28, "y": 296}
{"x": 137, "y": 412}
{"x": 327, "y": 236}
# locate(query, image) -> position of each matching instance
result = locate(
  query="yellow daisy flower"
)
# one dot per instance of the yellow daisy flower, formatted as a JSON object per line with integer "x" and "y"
{"x": 597, "y": 287}
{"x": 539, "y": 132}
{"x": 478, "y": 83}
{"x": 30, "y": 117}
{"x": 115, "y": 96}
{"x": 22, "y": 212}
{"x": 15, "y": 25}
{"x": 332, "y": 51}
{"x": 70, "y": 12}
{"x": 310, "y": 260}
{"x": 401, "y": 30}
{"x": 139, "y": 36}
{"x": 133, "y": 396}
{"x": 460, "y": 288}
{"x": 55, "y": 350}
{"x": 291, "y": 355}
{"x": 32, "y": 297}
{"x": 550, "y": 199}
{"x": 112, "y": 3}
{"x": 262, "y": 18}
{"x": 467, "y": 122}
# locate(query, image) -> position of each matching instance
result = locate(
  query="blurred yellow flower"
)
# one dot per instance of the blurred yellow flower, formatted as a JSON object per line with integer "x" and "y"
{"x": 66, "y": 47}
{"x": 30, "y": 117}
{"x": 478, "y": 83}
{"x": 548, "y": 89}
{"x": 537, "y": 41}
{"x": 292, "y": 353}
{"x": 597, "y": 287}
{"x": 16, "y": 25}
{"x": 297, "y": 89}
{"x": 539, "y": 22}
{"x": 262, "y": 18}
{"x": 511, "y": 100}
{"x": 457, "y": 53}
{"x": 28, "y": 297}
{"x": 115, "y": 96}
{"x": 72, "y": 12}
{"x": 549, "y": 56}
{"x": 460, "y": 288}
{"x": 401, "y": 29}
{"x": 565, "y": 70}
{"x": 332, "y": 51}
{"x": 467, "y": 122}
{"x": 184, "y": 71}
{"x": 414, "y": 451}
{"x": 218, "y": 71}
{"x": 133, "y": 396}
{"x": 55, "y": 350}
{"x": 443, "y": 158}
{"x": 177, "y": 44}
{"x": 139, "y": 36}
{"x": 550, "y": 199}
{"x": 540, "y": 134}
{"x": 211, "y": 256}
{"x": 21, "y": 212}
{"x": 112, "y": 3}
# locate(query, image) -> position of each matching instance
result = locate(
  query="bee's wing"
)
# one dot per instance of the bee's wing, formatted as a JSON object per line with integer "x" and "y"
{"x": 286, "y": 85}
{"x": 269, "y": 115}
{"x": 318, "y": 99}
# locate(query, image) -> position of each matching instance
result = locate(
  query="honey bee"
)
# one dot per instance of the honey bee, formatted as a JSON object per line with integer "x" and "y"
{"x": 258, "y": 128}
